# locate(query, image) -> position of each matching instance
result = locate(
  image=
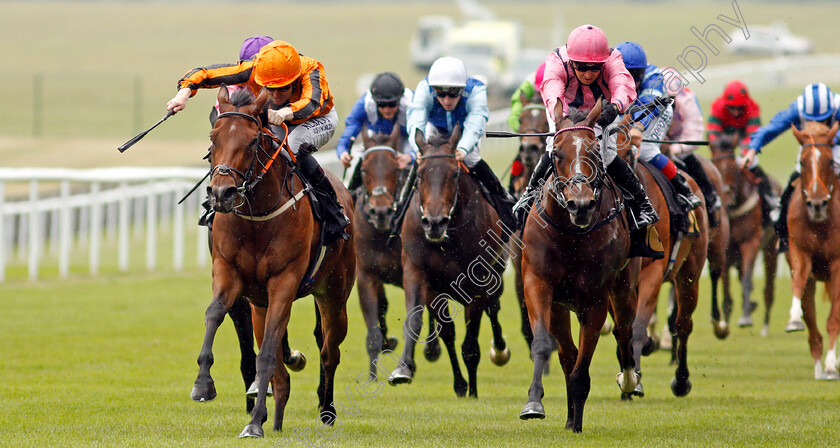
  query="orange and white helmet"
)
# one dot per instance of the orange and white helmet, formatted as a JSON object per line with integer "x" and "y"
{"x": 588, "y": 43}
{"x": 277, "y": 65}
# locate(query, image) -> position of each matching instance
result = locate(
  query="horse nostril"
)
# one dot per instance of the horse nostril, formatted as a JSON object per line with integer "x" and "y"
{"x": 230, "y": 194}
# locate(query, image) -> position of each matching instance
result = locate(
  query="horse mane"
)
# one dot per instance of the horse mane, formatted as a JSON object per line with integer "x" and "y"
{"x": 576, "y": 115}
{"x": 814, "y": 127}
{"x": 242, "y": 97}
{"x": 435, "y": 137}
{"x": 379, "y": 138}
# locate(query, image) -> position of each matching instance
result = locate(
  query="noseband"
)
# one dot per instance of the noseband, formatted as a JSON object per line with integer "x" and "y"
{"x": 380, "y": 190}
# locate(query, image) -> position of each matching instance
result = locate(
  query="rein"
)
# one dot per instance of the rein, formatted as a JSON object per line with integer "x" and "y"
{"x": 379, "y": 190}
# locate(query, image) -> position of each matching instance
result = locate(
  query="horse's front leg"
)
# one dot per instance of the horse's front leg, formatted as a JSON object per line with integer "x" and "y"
{"x": 415, "y": 286}
{"x": 470, "y": 350}
{"x": 579, "y": 382}
{"x": 800, "y": 270}
{"x": 333, "y": 313}
{"x": 833, "y": 324}
{"x": 226, "y": 289}
{"x": 368, "y": 289}
{"x": 281, "y": 289}
{"x": 538, "y": 297}
{"x": 749, "y": 252}
{"x": 240, "y": 315}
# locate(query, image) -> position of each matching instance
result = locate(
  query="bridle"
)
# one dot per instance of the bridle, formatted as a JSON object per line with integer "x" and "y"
{"x": 595, "y": 181}
{"x": 457, "y": 184}
{"x": 250, "y": 178}
{"x": 817, "y": 179}
{"x": 379, "y": 190}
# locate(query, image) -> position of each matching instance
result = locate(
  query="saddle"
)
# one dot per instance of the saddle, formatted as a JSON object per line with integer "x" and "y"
{"x": 680, "y": 221}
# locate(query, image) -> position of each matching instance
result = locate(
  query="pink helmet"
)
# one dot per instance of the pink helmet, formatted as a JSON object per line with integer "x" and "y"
{"x": 588, "y": 43}
{"x": 538, "y": 78}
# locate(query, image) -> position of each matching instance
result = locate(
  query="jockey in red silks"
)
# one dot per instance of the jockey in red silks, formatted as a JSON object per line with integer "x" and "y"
{"x": 578, "y": 74}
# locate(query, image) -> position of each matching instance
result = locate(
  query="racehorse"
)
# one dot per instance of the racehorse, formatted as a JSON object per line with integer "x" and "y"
{"x": 577, "y": 241}
{"x": 453, "y": 249}
{"x": 532, "y": 120}
{"x": 685, "y": 255}
{"x": 377, "y": 261}
{"x": 265, "y": 238}
{"x": 748, "y": 236}
{"x": 814, "y": 253}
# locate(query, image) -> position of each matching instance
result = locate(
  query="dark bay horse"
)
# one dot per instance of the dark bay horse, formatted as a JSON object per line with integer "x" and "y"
{"x": 685, "y": 256}
{"x": 814, "y": 253}
{"x": 453, "y": 249}
{"x": 577, "y": 241}
{"x": 378, "y": 262}
{"x": 264, "y": 239}
{"x": 748, "y": 236}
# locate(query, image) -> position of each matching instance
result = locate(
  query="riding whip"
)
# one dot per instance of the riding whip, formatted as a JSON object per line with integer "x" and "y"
{"x": 139, "y": 136}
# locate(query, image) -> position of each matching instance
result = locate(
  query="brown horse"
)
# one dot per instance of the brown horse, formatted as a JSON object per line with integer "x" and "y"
{"x": 814, "y": 253}
{"x": 532, "y": 120}
{"x": 378, "y": 262}
{"x": 685, "y": 256}
{"x": 578, "y": 262}
{"x": 453, "y": 249}
{"x": 748, "y": 236}
{"x": 264, "y": 239}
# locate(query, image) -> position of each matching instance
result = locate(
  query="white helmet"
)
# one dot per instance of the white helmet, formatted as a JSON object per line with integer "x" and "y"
{"x": 448, "y": 72}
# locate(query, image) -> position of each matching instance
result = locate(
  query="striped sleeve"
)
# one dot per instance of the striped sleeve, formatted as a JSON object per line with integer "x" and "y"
{"x": 215, "y": 75}
{"x": 315, "y": 99}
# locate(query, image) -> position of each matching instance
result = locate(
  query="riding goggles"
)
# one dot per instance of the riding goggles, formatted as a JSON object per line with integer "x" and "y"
{"x": 587, "y": 67}
{"x": 386, "y": 104}
{"x": 451, "y": 92}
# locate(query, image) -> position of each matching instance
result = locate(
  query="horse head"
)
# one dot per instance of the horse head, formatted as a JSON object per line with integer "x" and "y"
{"x": 380, "y": 176}
{"x": 532, "y": 121}
{"x": 236, "y": 140}
{"x": 438, "y": 174}
{"x": 817, "y": 167}
{"x": 578, "y": 169}
{"x": 735, "y": 185}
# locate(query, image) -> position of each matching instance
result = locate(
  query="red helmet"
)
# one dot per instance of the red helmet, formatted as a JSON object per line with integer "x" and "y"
{"x": 735, "y": 94}
{"x": 588, "y": 43}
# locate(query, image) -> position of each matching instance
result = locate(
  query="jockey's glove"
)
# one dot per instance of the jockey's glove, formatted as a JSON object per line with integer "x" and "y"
{"x": 608, "y": 114}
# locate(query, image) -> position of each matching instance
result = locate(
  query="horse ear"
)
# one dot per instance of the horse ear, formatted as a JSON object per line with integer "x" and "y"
{"x": 522, "y": 98}
{"x": 394, "y": 138}
{"x": 223, "y": 97}
{"x": 558, "y": 113}
{"x": 797, "y": 133}
{"x": 366, "y": 140}
{"x": 420, "y": 139}
{"x": 261, "y": 100}
{"x": 834, "y": 128}
{"x": 456, "y": 135}
{"x": 594, "y": 113}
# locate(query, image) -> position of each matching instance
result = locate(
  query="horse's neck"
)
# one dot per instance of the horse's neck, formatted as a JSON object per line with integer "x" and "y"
{"x": 269, "y": 193}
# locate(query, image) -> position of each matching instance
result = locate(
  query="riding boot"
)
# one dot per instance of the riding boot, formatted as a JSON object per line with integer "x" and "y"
{"x": 781, "y": 222}
{"x": 641, "y": 241}
{"x": 696, "y": 171}
{"x": 501, "y": 200}
{"x": 769, "y": 200}
{"x": 523, "y": 205}
{"x": 683, "y": 190}
{"x": 335, "y": 219}
{"x": 643, "y": 211}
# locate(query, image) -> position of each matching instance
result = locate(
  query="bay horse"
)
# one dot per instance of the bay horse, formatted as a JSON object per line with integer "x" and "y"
{"x": 532, "y": 120}
{"x": 579, "y": 262}
{"x": 748, "y": 236}
{"x": 264, "y": 239}
{"x": 814, "y": 253}
{"x": 453, "y": 249}
{"x": 378, "y": 260}
{"x": 682, "y": 265}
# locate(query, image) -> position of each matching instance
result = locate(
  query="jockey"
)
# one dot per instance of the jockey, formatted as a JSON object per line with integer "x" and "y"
{"x": 250, "y": 47}
{"x": 299, "y": 95}
{"x": 380, "y": 108}
{"x": 735, "y": 113}
{"x": 529, "y": 87}
{"x": 649, "y": 84}
{"x": 578, "y": 74}
{"x": 688, "y": 125}
{"x": 816, "y": 103}
{"x": 448, "y": 97}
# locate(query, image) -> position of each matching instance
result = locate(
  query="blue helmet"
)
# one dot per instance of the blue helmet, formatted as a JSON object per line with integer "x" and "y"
{"x": 633, "y": 54}
{"x": 817, "y": 102}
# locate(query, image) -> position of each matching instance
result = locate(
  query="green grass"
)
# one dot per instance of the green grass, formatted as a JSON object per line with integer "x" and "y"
{"x": 110, "y": 362}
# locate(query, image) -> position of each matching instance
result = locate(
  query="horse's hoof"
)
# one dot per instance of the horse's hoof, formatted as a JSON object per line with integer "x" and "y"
{"x": 254, "y": 390}
{"x": 639, "y": 391}
{"x": 721, "y": 329}
{"x": 297, "y": 361}
{"x": 499, "y": 358}
{"x": 606, "y": 328}
{"x": 432, "y": 351}
{"x": 252, "y": 430}
{"x": 764, "y": 331}
{"x": 745, "y": 321}
{"x": 626, "y": 397}
{"x": 391, "y": 343}
{"x": 649, "y": 346}
{"x": 628, "y": 385}
{"x": 680, "y": 389}
{"x": 400, "y": 375}
{"x": 830, "y": 375}
{"x": 794, "y": 325}
{"x": 534, "y": 409}
{"x": 460, "y": 386}
{"x": 666, "y": 341}
{"x": 203, "y": 393}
